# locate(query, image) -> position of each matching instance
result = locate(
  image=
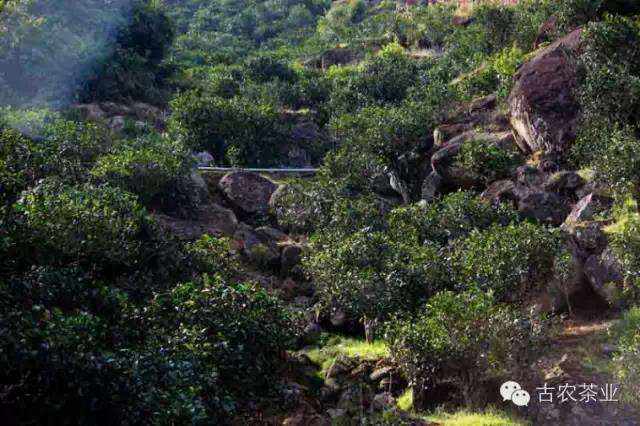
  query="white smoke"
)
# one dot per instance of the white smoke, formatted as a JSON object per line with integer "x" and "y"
{"x": 50, "y": 49}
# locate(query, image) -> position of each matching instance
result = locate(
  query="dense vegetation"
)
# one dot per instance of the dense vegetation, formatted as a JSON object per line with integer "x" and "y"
{"x": 106, "y": 317}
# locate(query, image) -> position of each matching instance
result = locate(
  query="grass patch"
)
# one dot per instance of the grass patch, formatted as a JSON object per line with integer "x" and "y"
{"x": 405, "y": 401}
{"x": 465, "y": 418}
{"x": 331, "y": 347}
{"x": 623, "y": 215}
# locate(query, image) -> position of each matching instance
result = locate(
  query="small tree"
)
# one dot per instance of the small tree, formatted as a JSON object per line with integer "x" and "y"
{"x": 372, "y": 276}
{"x": 508, "y": 260}
{"x": 467, "y": 337}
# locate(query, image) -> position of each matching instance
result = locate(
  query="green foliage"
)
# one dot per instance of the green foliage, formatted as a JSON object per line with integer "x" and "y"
{"x": 204, "y": 122}
{"x": 467, "y": 338}
{"x": 131, "y": 70}
{"x": 512, "y": 261}
{"x": 498, "y": 24}
{"x": 375, "y": 137}
{"x": 239, "y": 329}
{"x": 619, "y": 166}
{"x": 213, "y": 32}
{"x": 626, "y": 246}
{"x": 487, "y": 162}
{"x": 495, "y": 75}
{"x": 431, "y": 25}
{"x": 385, "y": 79}
{"x": 612, "y": 65}
{"x": 156, "y": 169}
{"x": 372, "y": 276}
{"x": 626, "y": 362}
{"x": 447, "y": 220}
{"x": 265, "y": 68}
{"x": 303, "y": 206}
{"x": 214, "y": 255}
{"x": 102, "y": 225}
{"x": 58, "y": 148}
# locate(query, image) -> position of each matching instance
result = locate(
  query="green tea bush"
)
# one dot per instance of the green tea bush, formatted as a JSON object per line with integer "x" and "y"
{"x": 498, "y": 24}
{"x": 58, "y": 147}
{"x": 214, "y": 255}
{"x": 625, "y": 242}
{"x": 467, "y": 338}
{"x": 619, "y": 167}
{"x": 449, "y": 219}
{"x": 626, "y": 361}
{"x": 509, "y": 260}
{"x": 102, "y": 225}
{"x": 611, "y": 61}
{"x": 266, "y": 68}
{"x": 370, "y": 275}
{"x": 239, "y": 330}
{"x": 204, "y": 122}
{"x": 154, "y": 168}
{"x": 375, "y": 137}
{"x": 495, "y": 75}
{"x": 57, "y": 367}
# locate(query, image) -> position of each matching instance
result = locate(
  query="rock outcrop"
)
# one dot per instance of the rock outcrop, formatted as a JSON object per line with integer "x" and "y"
{"x": 543, "y": 106}
{"x": 247, "y": 192}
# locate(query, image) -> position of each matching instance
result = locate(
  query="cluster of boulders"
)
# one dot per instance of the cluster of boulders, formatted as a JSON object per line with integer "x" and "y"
{"x": 238, "y": 206}
{"x": 352, "y": 388}
{"x": 114, "y": 116}
{"x": 540, "y": 123}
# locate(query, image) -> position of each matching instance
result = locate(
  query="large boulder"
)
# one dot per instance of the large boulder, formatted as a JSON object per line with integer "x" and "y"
{"x": 431, "y": 187}
{"x": 256, "y": 247}
{"x": 504, "y": 191}
{"x": 336, "y": 56}
{"x": 543, "y": 106}
{"x": 547, "y": 208}
{"x": 589, "y": 206}
{"x": 247, "y": 192}
{"x": 604, "y": 274}
{"x": 211, "y": 219}
{"x": 289, "y": 258}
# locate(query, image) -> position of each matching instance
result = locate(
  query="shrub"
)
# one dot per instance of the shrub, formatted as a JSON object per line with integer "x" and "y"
{"x": 132, "y": 67}
{"x": 508, "y": 260}
{"x": 467, "y": 338}
{"x": 626, "y": 362}
{"x": 371, "y": 276}
{"x": 375, "y": 137}
{"x": 57, "y": 147}
{"x": 103, "y": 225}
{"x": 15, "y": 173}
{"x": 495, "y": 75}
{"x": 266, "y": 68}
{"x": 214, "y": 255}
{"x": 239, "y": 330}
{"x": 57, "y": 366}
{"x": 453, "y": 217}
{"x": 432, "y": 24}
{"x": 498, "y": 23}
{"x": 203, "y": 122}
{"x": 611, "y": 60}
{"x": 156, "y": 169}
{"x": 625, "y": 242}
{"x": 487, "y": 162}
{"x": 619, "y": 166}
{"x": 304, "y": 206}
